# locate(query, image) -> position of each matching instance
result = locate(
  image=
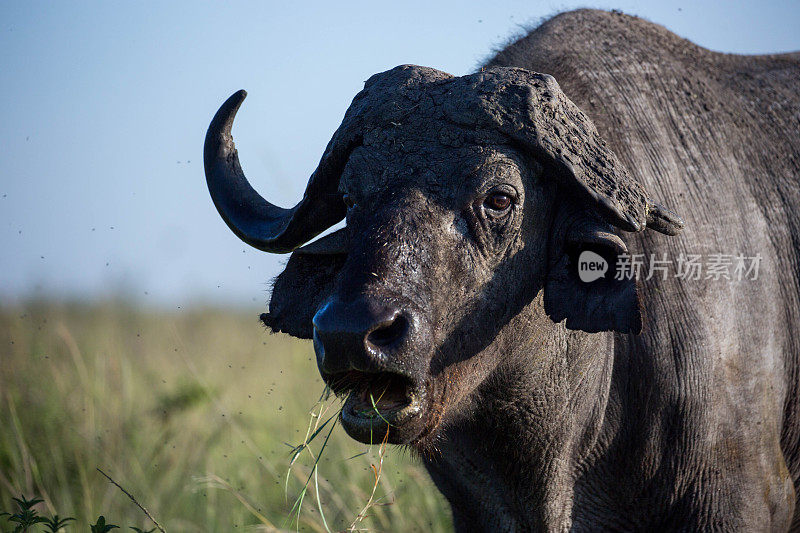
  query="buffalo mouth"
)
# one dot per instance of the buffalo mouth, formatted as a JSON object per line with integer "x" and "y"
{"x": 379, "y": 406}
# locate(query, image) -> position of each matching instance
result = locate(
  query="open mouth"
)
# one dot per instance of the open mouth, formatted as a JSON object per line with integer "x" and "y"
{"x": 376, "y": 403}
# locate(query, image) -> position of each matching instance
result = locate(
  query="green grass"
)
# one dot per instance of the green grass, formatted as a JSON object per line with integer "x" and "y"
{"x": 196, "y": 414}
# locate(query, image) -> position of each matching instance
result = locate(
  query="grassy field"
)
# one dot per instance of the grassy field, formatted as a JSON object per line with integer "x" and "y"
{"x": 194, "y": 413}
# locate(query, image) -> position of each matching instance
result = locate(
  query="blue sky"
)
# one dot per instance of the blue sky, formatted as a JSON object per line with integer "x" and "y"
{"x": 104, "y": 106}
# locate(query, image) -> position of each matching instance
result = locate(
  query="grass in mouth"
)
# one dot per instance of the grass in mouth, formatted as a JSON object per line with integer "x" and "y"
{"x": 369, "y": 412}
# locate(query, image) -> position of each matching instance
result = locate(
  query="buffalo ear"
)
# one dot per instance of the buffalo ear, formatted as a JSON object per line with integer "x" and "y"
{"x": 576, "y": 291}
{"x": 306, "y": 281}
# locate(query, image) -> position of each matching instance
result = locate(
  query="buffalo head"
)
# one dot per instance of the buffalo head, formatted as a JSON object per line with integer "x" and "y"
{"x": 467, "y": 200}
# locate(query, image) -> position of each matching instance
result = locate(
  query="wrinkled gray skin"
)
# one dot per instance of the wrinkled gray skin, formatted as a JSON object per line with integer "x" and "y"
{"x": 544, "y": 403}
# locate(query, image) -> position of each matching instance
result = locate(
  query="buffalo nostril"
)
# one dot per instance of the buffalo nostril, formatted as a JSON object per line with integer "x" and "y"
{"x": 388, "y": 332}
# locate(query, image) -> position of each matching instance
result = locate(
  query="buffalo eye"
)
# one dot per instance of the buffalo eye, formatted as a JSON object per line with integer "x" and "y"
{"x": 349, "y": 201}
{"x": 498, "y": 202}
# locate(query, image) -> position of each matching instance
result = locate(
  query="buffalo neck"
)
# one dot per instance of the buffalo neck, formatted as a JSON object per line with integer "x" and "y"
{"x": 510, "y": 457}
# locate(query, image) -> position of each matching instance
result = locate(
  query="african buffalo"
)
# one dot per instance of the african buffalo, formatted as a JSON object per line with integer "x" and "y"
{"x": 453, "y": 297}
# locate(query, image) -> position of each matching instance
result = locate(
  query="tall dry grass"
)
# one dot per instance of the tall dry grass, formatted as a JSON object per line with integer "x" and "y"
{"x": 193, "y": 412}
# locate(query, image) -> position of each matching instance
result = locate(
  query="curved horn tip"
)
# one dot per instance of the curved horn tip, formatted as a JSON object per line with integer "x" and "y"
{"x": 663, "y": 220}
{"x": 238, "y": 96}
{"x": 218, "y": 141}
{"x": 223, "y": 120}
